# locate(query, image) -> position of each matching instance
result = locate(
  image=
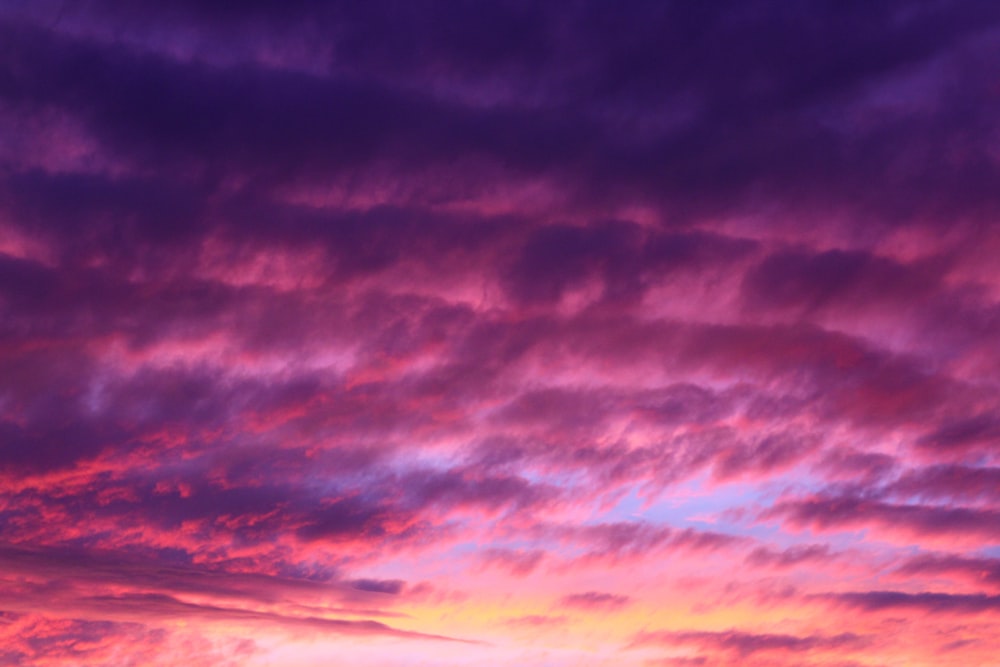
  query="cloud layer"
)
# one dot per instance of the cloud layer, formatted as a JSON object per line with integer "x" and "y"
{"x": 461, "y": 333}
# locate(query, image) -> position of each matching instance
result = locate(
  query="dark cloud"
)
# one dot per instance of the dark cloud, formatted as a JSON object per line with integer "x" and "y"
{"x": 602, "y": 82}
{"x": 849, "y": 464}
{"x": 849, "y": 512}
{"x": 703, "y": 540}
{"x": 620, "y": 256}
{"x": 155, "y": 573}
{"x": 53, "y": 446}
{"x": 470, "y": 487}
{"x": 953, "y": 482}
{"x": 594, "y": 600}
{"x": 622, "y": 539}
{"x": 805, "y": 554}
{"x": 964, "y": 432}
{"x": 388, "y": 586}
{"x": 977, "y": 570}
{"x": 276, "y": 124}
{"x": 746, "y": 644}
{"x": 811, "y": 281}
{"x": 934, "y": 603}
{"x": 768, "y": 454}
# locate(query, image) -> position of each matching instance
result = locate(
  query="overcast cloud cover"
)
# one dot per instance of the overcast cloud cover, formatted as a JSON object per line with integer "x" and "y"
{"x": 499, "y": 333}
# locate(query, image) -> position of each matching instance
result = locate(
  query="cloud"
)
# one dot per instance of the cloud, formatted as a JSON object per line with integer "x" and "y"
{"x": 535, "y": 621}
{"x": 812, "y": 281}
{"x": 31, "y": 639}
{"x": 977, "y": 570}
{"x": 955, "y": 482}
{"x": 849, "y": 512}
{"x": 594, "y": 600}
{"x": 157, "y": 607}
{"x": 106, "y": 570}
{"x": 962, "y": 432}
{"x": 933, "y": 603}
{"x": 349, "y": 323}
{"x": 519, "y": 562}
{"x": 387, "y": 586}
{"x": 594, "y": 118}
{"x": 804, "y": 554}
{"x": 621, "y": 256}
{"x": 746, "y": 644}
{"x": 74, "y": 583}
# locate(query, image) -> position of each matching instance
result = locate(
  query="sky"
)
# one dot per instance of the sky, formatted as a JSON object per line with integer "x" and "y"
{"x": 460, "y": 333}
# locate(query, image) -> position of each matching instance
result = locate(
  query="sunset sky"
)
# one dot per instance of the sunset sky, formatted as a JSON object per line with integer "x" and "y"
{"x": 471, "y": 333}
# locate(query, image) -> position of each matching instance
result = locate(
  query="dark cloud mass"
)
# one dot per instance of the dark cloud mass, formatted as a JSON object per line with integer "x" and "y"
{"x": 499, "y": 333}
